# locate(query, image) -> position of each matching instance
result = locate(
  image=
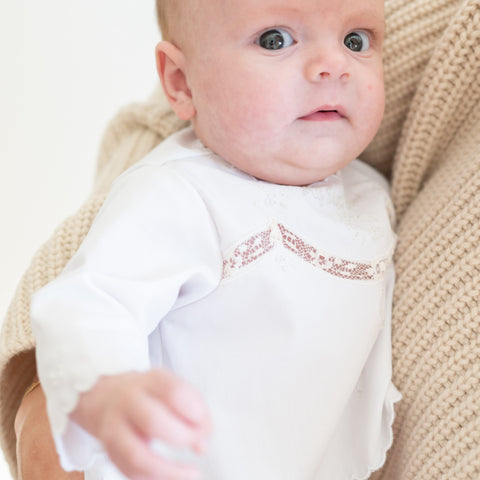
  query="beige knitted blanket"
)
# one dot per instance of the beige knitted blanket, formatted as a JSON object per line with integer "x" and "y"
{"x": 431, "y": 131}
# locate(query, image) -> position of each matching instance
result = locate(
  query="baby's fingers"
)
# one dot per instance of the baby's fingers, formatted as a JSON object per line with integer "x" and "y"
{"x": 182, "y": 399}
{"x": 134, "y": 458}
{"x": 155, "y": 420}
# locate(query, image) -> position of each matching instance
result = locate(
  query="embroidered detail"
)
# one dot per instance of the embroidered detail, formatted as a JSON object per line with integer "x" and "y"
{"x": 247, "y": 252}
{"x": 277, "y": 234}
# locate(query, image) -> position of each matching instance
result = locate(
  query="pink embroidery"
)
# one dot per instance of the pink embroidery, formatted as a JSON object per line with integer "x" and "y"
{"x": 261, "y": 243}
{"x": 247, "y": 252}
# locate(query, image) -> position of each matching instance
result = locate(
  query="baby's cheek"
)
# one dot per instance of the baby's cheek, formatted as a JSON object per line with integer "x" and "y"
{"x": 251, "y": 109}
{"x": 272, "y": 110}
{"x": 374, "y": 104}
{"x": 254, "y": 117}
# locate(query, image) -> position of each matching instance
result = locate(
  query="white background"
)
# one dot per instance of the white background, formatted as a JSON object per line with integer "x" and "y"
{"x": 66, "y": 67}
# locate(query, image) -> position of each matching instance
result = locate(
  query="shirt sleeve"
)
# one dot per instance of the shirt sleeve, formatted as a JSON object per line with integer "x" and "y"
{"x": 153, "y": 247}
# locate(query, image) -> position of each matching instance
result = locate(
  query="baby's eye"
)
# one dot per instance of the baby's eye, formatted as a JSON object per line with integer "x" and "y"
{"x": 357, "y": 41}
{"x": 275, "y": 39}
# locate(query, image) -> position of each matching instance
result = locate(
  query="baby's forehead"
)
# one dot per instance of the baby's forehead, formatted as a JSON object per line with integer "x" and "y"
{"x": 229, "y": 7}
{"x": 203, "y": 12}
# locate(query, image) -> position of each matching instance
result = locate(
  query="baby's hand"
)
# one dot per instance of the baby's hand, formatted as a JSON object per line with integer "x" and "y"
{"x": 126, "y": 412}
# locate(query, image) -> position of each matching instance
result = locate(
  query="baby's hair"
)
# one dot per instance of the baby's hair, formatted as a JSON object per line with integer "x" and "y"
{"x": 172, "y": 16}
{"x": 162, "y": 6}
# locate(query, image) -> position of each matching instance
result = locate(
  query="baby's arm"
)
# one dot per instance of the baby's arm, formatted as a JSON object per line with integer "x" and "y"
{"x": 152, "y": 246}
{"x": 126, "y": 411}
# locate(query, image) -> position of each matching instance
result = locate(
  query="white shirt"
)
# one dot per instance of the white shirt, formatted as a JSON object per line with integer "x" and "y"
{"x": 273, "y": 301}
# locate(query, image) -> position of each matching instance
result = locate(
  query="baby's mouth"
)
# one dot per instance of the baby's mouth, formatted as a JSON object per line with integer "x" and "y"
{"x": 325, "y": 114}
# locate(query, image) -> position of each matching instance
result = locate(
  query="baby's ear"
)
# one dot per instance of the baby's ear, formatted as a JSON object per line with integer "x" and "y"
{"x": 171, "y": 70}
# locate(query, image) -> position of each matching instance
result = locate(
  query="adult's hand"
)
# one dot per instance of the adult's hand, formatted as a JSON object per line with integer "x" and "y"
{"x": 37, "y": 458}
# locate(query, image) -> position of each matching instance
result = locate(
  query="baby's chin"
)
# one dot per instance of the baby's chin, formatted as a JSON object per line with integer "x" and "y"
{"x": 283, "y": 163}
{"x": 308, "y": 168}
{"x": 291, "y": 175}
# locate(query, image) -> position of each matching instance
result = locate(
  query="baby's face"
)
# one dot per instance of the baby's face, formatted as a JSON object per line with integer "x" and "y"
{"x": 287, "y": 91}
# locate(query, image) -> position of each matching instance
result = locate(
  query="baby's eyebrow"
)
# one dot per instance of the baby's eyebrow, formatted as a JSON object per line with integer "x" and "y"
{"x": 370, "y": 15}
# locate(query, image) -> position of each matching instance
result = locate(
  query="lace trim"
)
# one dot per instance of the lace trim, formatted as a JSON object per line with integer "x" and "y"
{"x": 277, "y": 234}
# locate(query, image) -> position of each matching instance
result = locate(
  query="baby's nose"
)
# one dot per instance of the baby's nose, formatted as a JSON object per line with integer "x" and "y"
{"x": 327, "y": 64}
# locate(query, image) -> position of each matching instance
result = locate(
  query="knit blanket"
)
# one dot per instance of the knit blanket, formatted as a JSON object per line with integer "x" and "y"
{"x": 429, "y": 145}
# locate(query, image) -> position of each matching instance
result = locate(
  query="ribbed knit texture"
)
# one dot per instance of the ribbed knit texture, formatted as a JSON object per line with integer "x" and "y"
{"x": 436, "y": 316}
{"x": 432, "y": 131}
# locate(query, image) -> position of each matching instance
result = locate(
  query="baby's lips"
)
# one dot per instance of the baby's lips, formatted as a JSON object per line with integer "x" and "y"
{"x": 323, "y": 115}
{"x": 326, "y": 110}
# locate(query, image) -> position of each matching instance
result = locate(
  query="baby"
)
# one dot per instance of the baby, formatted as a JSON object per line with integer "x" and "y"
{"x": 228, "y": 314}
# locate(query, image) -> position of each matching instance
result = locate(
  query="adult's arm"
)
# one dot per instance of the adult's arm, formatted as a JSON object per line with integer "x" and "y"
{"x": 35, "y": 450}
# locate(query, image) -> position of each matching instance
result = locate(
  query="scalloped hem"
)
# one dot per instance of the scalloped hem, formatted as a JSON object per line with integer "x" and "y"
{"x": 392, "y": 397}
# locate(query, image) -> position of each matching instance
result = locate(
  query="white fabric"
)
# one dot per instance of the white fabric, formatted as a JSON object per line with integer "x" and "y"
{"x": 273, "y": 301}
